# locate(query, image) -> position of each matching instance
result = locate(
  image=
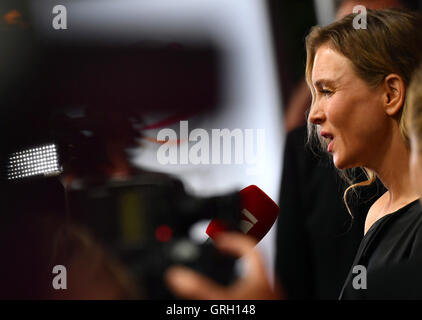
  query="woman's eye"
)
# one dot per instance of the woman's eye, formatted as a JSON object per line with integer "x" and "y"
{"x": 326, "y": 92}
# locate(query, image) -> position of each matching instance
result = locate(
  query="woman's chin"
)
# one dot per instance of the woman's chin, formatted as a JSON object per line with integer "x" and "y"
{"x": 339, "y": 163}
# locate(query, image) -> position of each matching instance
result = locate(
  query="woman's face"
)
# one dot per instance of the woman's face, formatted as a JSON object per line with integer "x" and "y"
{"x": 349, "y": 114}
{"x": 416, "y": 164}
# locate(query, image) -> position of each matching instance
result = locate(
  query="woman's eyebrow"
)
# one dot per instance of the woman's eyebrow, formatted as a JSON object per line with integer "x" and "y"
{"x": 323, "y": 83}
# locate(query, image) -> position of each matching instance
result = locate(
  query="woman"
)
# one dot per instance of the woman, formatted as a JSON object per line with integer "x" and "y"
{"x": 358, "y": 79}
{"x": 402, "y": 280}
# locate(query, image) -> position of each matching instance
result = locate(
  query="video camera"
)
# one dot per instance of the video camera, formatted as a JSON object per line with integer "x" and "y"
{"x": 143, "y": 220}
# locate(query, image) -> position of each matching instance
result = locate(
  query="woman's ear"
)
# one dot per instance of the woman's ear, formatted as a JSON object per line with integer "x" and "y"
{"x": 394, "y": 94}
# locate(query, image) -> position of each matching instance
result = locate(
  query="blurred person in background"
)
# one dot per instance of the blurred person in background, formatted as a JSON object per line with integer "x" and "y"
{"x": 35, "y": 242}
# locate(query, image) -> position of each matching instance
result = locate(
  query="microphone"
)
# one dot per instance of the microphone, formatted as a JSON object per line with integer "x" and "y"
{"x": 258, "y": 214}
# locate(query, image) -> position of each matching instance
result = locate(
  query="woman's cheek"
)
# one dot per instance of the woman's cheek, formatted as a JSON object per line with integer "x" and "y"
{"x": 338, "y": 112}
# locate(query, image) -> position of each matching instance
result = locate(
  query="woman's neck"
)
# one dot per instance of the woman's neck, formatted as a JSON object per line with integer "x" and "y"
{"x": 394, "y": 172}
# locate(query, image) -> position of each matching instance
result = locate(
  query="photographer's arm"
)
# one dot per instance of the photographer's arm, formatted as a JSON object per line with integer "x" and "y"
{"x": 253, "y": 285}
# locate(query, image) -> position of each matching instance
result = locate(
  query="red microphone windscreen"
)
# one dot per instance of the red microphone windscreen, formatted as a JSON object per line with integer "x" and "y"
{"x": 259, "y": 213}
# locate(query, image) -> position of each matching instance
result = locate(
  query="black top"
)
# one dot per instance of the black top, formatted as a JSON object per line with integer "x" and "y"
{"x": 393, "y": 239}
{"x": 316, "y": 240}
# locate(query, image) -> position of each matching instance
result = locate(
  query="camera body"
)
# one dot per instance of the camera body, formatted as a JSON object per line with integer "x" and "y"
{"x": 145, "y": 222}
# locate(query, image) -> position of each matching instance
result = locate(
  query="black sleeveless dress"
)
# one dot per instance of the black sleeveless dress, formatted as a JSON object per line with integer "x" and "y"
{"x": 392, "y": 242}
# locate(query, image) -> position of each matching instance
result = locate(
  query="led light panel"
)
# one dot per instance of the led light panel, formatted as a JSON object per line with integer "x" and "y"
{"x": 42, "y": 160}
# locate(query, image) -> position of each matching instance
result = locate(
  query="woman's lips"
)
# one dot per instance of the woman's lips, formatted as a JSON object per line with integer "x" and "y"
{"x": 330, "y": 146}
{"x": 328, "y": 136}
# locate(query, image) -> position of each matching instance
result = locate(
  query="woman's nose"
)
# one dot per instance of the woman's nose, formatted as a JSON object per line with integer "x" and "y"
{"x": 316, "y": 114}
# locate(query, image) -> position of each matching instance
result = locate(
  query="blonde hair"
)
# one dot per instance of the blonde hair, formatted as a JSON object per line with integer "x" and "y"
{"x": 414, "y": 100}
{"x": 390, "y": 44}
